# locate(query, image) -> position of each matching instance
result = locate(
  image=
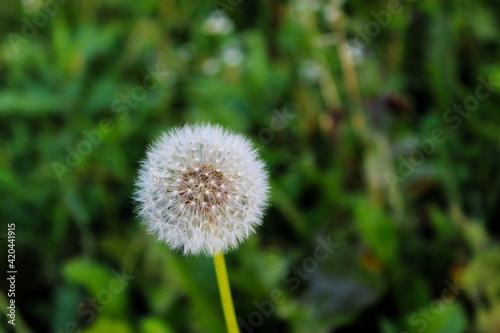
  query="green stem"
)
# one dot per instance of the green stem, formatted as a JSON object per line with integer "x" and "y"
{"x": 225, "y": 293}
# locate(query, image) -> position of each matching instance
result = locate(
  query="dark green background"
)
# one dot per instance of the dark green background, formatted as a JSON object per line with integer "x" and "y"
{"x": 406, "y": 187}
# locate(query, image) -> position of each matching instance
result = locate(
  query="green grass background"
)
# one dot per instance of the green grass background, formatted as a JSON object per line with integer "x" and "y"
{"x": 339, "y": 117}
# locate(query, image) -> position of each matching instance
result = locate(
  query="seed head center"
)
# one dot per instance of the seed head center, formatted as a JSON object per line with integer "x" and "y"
{"x": 203, "y": 188}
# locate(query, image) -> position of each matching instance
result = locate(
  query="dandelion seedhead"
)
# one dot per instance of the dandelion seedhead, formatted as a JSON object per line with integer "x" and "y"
{"x": 202, "y": 189}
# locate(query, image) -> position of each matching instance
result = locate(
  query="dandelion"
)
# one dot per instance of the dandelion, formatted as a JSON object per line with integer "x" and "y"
{"x": 202, "y": 189}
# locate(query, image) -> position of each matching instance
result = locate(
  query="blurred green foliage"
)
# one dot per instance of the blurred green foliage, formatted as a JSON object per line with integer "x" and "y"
{"x": 342, "y": 99}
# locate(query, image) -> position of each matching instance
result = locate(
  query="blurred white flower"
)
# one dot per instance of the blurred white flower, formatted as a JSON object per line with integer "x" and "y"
{"x": 310, "y": 71}
{"x": 217, "y": 24}
{"x": 32, "y": 5}
{"x": 355, "y": 50}
{"x": 210, "y": 66}
{"x": 301, "y": 10}
{"x": 202, "y": 189}
{"x": 232, "y": 56}
{"x": 332, "y": 12}
{"x": 306, "y": 5}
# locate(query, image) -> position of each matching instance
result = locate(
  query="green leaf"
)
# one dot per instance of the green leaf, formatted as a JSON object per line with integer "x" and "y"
{"x": 105, "y": 325}
{"x": 377, "y": 230}
{"x": 154, "y": 325}
{"x": 107, "y": 287}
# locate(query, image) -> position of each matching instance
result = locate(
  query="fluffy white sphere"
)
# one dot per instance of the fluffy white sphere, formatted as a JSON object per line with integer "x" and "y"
{"x": 202, "y": 189}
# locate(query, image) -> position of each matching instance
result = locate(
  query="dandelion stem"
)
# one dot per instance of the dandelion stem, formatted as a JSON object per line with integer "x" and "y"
{"x": 225, "y": 293}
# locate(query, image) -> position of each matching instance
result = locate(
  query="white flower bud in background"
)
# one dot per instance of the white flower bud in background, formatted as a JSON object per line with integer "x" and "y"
{"x": 202, "y": 189}
{"x": 217, "y": 24}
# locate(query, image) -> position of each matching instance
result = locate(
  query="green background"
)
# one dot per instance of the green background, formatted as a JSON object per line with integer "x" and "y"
{"x": 354, "y": 106}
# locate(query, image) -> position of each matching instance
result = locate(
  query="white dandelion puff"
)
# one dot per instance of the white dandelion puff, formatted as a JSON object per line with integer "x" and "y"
{"x": 202, "y": 189}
